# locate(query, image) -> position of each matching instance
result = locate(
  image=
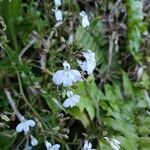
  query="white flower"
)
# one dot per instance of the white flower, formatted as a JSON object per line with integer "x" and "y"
{"x": 34, "y": 141}
{"x": 57, "y": 3}
{"x": 85, "y": 20}
{"x": 25, "y": 126}
{"x": 90, "y": 62}
{"x": 115, "y": 144}
{"x": 49, "y": 146}
{"x": 67, "y": 76}
{"x": 58, "y": 15}
{"x": 87, "y": 145}
{"x": 140, "y": 72}
{"x": 72, "y": 100}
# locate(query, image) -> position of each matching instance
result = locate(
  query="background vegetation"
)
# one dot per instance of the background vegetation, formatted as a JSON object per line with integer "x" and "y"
{"x": 114, "y": 100}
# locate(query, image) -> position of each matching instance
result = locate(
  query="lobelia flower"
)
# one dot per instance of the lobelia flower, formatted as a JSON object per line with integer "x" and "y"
{"x": 25, "y": 126}
{"x": 57, "y": 3}
{"x": 49, "y": 146}
{"x": 85, "y": 20}
{"x": 34, "y": 141}
{"x": 66, "y": 76}
{"x": 115, "y": 144}
{"x": 72, "y": 100}
{"x": 87, "y": 145}
{"x": 90, "y": 62}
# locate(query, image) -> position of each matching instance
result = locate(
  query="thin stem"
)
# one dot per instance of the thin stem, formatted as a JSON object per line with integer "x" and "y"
{"x": 13, "y": 106}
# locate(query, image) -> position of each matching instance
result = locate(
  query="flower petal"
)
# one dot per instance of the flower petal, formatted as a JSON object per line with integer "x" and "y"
{"x": 19, "y": 127}
{"x": 57, "y": 3}
{"x": 68, "y": 78}
{"x": 58, "y": 15}
{"x": 56, "y": 147}
{"x": 34, "y": 141}
{"x": 58, "y": 77}
{"x": 48, "y": 145}
{"x": 77, "y": 75}
{"x": 71, "y": 101}
{"x": 30, "y": 123}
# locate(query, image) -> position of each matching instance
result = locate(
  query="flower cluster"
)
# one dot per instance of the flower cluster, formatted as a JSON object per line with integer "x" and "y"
{"x": 66, "y": 77}
{"x": 59, "y": 16}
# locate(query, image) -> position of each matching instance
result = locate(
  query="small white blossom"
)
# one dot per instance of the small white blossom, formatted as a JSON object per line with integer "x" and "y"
{"x": 49, "y": 146}
{"x": 140, "y": 72}
{"x": 67, "y": 76}
{"x": 90, "y": 62}
{"x": 85, "y": 20}
{"x": 34, "y": 141}
{"x": 72, "y": 100}
{"x": 58, "y": 15}
{"x": 25, "y": 126}
{"x": 87, "y": 145}
{"x": 57, "y": 3}
{"x": 115, "y": 144}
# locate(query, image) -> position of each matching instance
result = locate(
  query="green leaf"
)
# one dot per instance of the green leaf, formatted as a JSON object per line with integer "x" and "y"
{"x": 7, "y": 138}
{"x": 80, "y": 116}
{"x": 127, "y": 85}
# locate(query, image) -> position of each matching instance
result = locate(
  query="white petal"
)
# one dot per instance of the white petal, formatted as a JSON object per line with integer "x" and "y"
{"x": 30, "y": 123}
{"x": 66, "y": 103}
{"x": 56, "y": 147}
{"x": 19, "y": 127}
{"x": 82, "y": 13}
{"x": 90, "y": 63}
{"x": 85, "y": 22}
{"x": 116, "y": 141}
{"x": 83, "y": 65}
{"x": 71, "y": 101}
{"x": 34, "y": 141}
{"x": 57, "y": 3}
{"x": 48, "y": 145}
{"x": 90, "y": 67}
{"x": 88, "y": 54}
{"x": 77, "y": 75}
{"x": 58, "y": 77}
{"x": 87, "y": 145}
{"x": 26, "y": 128}
{"x": 58, "y": 15}
{"x": 68, "y": 78}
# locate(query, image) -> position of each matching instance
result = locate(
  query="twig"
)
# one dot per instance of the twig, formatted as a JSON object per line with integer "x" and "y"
{"x": 111, "y": 46}
{"x": 13, "y": 106}
{"x": 69, "y": 41}
{"x": 31, "y": 42}
{"x": 46, "y": 44}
